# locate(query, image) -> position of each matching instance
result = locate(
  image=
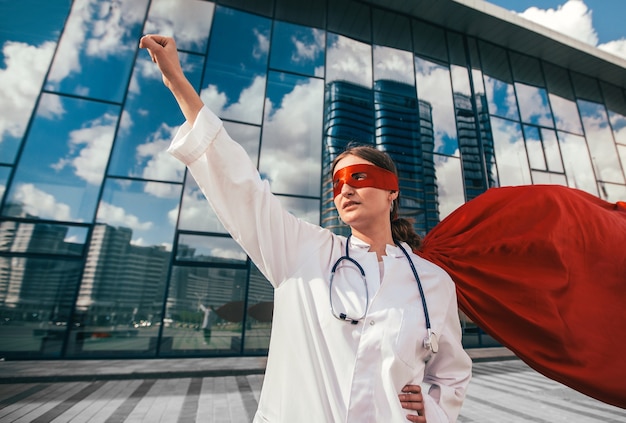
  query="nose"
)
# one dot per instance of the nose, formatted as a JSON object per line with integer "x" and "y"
{"x": 347, "y": 190}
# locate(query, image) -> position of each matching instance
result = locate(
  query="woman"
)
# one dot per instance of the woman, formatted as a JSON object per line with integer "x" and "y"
{"x": 365, "y": 358}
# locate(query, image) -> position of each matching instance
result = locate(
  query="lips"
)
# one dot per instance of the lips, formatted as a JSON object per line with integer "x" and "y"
{"x": 348, "y": 204}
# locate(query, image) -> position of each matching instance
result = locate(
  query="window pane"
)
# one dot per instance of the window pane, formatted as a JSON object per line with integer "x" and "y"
{"x": 586, "y": 88}
{"x": 236, "y": 65}
{"x": 5, "y": 171}
{"x": 600, "y": 141}
{"x": 501, "y": 98}
{"x": 37, "y": 297}
{"x": 98, "y": 42}
{"x": 534, "y": 148}
{"x": 616, "y": 104}
{"x": 205, "y": 311}
{"x": 63, "y": 163}
{"x": 391, "y": 30}
{"x": 510, "y": 153}
{"x": 566, "y": 114}
{"x": 293, "y": 112}
{"x": 298, "y": 49}
{"x": 350, "y": 18}
{"x": 189, "y": 21}
{"x": 348, "y": 60}
{"x": 612, "y": 192}
{"x": 434, "y": 89}
{"x": 526, "y": 69}
{"x": 304, "y": 208}
{"x": 27, "y": 43}
{"x": 495, "y": 62}
{"x": 196, "y": 214}
{"x": 393, "y": 65}
{"x": 305, "y": 12}
{"x": 146, "y": 210}
{"x": 42, "y": 238}
{"x": 449, "y": 184}
{"x": 429, "y": 41}
{"x": 146, "y": 130}
{"x": 260, "y": 311}
{"x": 247, "y": 136}
{"x": 218, "y": 250}
{"x": 551, "y": 150}
{"x": 578, "y": 166}
{"x": 548, "y": 178}
{"x": 533, "y": 104}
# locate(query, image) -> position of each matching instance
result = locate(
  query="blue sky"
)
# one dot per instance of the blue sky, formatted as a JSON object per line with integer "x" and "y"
{"x": 596, "y": 22}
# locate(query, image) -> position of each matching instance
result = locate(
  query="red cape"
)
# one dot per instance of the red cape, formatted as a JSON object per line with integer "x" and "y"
{"x": 542, "y": 269}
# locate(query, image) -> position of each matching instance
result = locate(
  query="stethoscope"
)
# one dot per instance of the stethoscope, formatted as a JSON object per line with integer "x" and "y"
{"x": 430, "y": 342}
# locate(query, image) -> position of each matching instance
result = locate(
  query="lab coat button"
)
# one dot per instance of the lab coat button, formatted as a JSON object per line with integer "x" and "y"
{"x": 372, "y": 323}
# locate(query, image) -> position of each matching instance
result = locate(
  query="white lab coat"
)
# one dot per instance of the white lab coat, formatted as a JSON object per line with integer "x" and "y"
{"x": 321, "y": 369}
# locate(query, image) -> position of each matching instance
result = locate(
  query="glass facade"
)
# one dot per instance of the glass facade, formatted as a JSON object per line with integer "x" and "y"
{"x": 107, "y": 246}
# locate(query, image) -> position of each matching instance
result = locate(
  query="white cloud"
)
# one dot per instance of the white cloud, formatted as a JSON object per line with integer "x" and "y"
{"x": 20, "y": 82}
{"x": 249, "y": 105}
{"x": 290, "y": 149}
{"x": 117, "y": 216}
{"x": 393, "y": 64}
{"x": 616, "y": 47}
{"x": 97, "y": 29}
{"x": 41, "y": 204}
{"x": 349, "y": 60}
{"x": 574, "y": 18}
{"x": 190, "y": 23}
{"x": 160, "y": 165}
{"x": 90, "y": 147}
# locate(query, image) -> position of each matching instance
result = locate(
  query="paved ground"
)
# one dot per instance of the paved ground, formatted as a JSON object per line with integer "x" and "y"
{"x": 227, "y": 390}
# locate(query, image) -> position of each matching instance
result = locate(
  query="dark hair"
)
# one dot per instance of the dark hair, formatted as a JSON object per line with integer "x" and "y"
{"x": 402, "y": 228}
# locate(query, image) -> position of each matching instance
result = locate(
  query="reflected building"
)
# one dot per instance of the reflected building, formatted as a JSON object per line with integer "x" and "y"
{"x": 107, "y": 246}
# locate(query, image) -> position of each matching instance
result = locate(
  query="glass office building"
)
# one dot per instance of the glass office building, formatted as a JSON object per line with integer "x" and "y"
{"x": 109, "y": 249}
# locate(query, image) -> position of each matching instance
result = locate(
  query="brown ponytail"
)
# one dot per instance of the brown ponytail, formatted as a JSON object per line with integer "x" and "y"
{"x": 402, "y": 228}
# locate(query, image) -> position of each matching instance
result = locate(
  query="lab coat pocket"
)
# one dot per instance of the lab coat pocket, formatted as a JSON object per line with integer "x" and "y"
{"x": 408, "y": 337}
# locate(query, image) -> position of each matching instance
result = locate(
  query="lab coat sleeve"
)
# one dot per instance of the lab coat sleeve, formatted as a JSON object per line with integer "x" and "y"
{"x": 448, "y": 372}
{"x": 276, "y": 241}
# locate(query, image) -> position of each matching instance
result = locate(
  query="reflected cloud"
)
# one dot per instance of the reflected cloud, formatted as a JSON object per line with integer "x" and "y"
{"x": 565, "y": 114}
{"x": 246, "y": 104}
{"x": 304, "y": 51}
{"x": 501, "y": 98}
{"x": 195, "y": 212}
{"x": 600, "y": 142}
{"x": 36, "y": 202}
{"x": 89, "y": 149}
{"x": 511, "y": 157}
{"x": 533, "y": 104}
{"x": 20, "y": 82}
{"x": 189, "y": 21}
{"x": 117, "y": 216}
{"x": 449, "y": 185}
{"x": 290, "y": 158}
{"x": 433, "y": 86}
{"x": 393, "y": 64}
{"x": 97, "y": 29}
{"x": 158, "y": 164}
{"x": 348, "y": 60}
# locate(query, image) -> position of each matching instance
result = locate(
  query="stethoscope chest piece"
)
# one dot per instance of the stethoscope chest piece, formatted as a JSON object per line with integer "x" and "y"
{"x": 431, "y": 343}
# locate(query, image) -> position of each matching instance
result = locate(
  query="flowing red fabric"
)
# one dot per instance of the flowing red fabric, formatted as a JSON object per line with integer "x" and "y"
{"x": 542, "y": 269}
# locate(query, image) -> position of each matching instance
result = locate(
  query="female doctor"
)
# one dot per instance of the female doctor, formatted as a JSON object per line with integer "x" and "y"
{"x": 360, "y": 323}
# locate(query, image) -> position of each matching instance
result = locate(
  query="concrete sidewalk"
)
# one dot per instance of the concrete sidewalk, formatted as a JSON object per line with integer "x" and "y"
{"x": 225, "y": 390}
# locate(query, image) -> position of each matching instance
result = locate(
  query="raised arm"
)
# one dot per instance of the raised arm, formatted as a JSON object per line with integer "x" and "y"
{"x": 163, "y": 52}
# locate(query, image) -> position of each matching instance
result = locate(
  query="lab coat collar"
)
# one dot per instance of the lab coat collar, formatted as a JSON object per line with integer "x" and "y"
{"x": 363, "y": 247}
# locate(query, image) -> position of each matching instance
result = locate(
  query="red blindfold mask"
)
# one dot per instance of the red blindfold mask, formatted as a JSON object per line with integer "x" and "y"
{"x": 364, "y": 175}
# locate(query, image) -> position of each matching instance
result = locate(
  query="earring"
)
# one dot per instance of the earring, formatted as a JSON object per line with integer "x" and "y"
{"x": 391, "y": 208}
